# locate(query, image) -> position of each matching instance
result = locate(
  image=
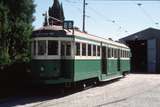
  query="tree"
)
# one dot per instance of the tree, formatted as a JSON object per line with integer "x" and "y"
{"x": 15, "y": 30}
{"x": 55, "y": 11}
{"x": 4, "y": 34}
{"x": 62, "y": 13}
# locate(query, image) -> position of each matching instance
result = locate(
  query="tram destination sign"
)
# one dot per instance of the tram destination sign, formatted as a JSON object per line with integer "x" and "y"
{"x": 68, "y": 24}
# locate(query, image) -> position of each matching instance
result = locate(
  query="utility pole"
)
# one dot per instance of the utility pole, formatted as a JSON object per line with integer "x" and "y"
{"x": 84, "y": 14}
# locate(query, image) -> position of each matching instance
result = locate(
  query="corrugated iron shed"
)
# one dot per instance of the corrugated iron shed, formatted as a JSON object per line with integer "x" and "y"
{"x": 145, "y": 48}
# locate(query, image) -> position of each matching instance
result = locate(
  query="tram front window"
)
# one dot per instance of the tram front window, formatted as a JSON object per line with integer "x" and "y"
{"x": 41, "y": 47}
{"x": 52, "y": 47}
{"x": 68, "y": 49}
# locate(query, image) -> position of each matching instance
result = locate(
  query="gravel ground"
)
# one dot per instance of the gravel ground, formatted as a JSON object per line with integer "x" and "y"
{"x": 135, "y": 90}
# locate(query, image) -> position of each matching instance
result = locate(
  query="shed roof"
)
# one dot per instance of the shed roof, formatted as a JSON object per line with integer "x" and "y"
{"x": 146, "y": 34}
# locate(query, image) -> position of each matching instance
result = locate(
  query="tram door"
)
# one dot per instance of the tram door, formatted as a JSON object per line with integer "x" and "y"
{"x": 104, "y": 60}
{"x": 118, "y": 61}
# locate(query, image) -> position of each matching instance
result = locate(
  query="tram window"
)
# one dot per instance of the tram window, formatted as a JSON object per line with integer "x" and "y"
{"x": 77, "y": 48}
{"x": 109, "y": 52}
{"x": 68, "y": 49}
{"x": 98, "y": 50}
{"x": 83, "y": 49}
{"x": 41, "y": 47}
{"x": 52, "y": 47}
{"x": 94, "y": 50}
{"x": 121, "y": 53}
{"x": 62, "y": 49}
{"x": 112, "y": 52}
{"x": 89, "y": 49}
{"x": 126, "y": 54}
{"x": 115, "y": 53}
{"x": 34, "y": 47}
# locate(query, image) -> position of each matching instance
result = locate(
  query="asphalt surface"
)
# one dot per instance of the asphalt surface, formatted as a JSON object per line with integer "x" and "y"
{"x": 135, "y": 90}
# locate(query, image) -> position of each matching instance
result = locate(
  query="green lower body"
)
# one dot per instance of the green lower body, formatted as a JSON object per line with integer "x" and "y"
{"x": 69, "y": 71}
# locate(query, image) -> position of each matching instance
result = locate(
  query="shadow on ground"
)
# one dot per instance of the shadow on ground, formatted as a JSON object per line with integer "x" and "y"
{"x": 22, "y": 96}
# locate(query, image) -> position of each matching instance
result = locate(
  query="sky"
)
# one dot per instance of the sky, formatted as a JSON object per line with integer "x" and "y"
{"x": 106, "y": 18}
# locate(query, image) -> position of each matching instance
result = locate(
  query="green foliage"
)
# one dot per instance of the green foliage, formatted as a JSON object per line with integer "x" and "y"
{"x": 4, "y": 34}
{"x": 15, "y": 30}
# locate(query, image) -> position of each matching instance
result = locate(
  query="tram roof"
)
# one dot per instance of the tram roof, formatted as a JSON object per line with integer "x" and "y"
{"x": 96, "y": 38}
{"x": 58, "y": 30}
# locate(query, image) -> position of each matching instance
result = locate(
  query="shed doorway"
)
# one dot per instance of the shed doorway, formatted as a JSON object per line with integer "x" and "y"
{"x": 139, "y": 56}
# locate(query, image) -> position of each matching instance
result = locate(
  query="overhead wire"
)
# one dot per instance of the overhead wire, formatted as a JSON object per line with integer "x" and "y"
{"x": 107, "y": 19}
{"x": 98, "y": 13}
{"x": 147, "y": 14}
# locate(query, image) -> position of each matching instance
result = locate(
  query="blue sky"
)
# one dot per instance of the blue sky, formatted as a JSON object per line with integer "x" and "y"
{"x": 128, "y": 16}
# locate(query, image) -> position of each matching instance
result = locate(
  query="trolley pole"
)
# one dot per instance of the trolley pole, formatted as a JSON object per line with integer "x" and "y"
{"x": 84, "y": 12}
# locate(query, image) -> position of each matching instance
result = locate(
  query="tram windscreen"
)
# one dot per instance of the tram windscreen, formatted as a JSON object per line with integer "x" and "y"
{"x": 41, "y": 47}
{"x": 68, "y": 49}
{"x": 52, "y": 47}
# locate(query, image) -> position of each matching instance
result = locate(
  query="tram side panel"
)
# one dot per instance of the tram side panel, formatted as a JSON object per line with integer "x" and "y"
{"x": 86, "y": 69}
{"x": 112, "y": 65}
{"x": 125, "y": 65}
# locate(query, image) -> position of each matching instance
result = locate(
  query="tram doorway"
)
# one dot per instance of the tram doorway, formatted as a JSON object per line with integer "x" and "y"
{"x": 104, "y": 60}
{"x": 139, "y": 55}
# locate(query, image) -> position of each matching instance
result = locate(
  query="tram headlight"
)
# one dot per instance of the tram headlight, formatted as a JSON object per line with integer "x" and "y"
{"x": 42, "y": 68}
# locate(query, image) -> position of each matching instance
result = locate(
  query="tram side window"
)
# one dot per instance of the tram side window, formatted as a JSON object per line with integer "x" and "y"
{"x": 121, "y": 53}
{"x": 115, "y": 53}
{"x": 127, "y": 54}
{"x": 52, "y": 47}
{"x": 77, "y": 49}
{"x": 112, "y": 52}
{"x": 109, "y": 52}
{"x": 41, "y": 47}
{"x": 94, "y": 50}
{"x": 89, "y": 49}
{"x": 98, "y": 50}
{"x": 83, "y": 49}
{"x": 68, "y": 49}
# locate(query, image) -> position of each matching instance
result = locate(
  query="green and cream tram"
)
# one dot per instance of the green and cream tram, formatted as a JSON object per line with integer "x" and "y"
{"x": 66, "y": 57}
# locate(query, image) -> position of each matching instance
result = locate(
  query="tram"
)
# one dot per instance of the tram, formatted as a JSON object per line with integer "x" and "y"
{"x": 61, "y": 56}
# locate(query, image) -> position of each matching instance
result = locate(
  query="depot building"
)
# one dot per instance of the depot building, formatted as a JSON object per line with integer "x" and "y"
{"x": 145, "y": 50}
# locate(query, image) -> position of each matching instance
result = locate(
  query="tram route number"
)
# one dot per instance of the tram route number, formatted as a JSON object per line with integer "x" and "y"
{"x": 68, "y": 24}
